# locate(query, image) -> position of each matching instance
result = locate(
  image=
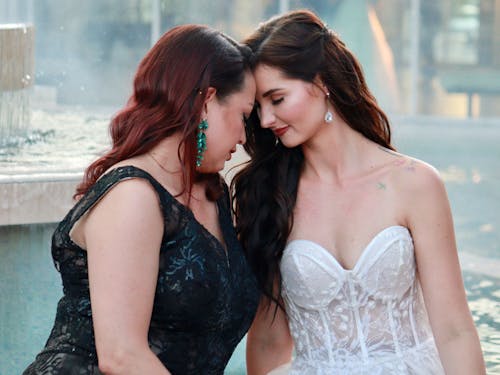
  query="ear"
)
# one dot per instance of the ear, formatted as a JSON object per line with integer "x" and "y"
{"x": 211, "y": 91}
{"x": 209, "y": 98}
{"x": 320, "y": 84}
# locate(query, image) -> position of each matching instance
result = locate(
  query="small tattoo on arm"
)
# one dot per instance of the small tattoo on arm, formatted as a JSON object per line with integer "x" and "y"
{"x": 411, "y": 166}
{"x": 381, "y": 186}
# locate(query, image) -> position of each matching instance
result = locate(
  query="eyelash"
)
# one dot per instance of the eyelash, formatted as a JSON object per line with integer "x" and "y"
{"x": 276, "y": 101}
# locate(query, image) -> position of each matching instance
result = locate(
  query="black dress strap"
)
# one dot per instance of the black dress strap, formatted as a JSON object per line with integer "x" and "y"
{"x": 105, "y": 183}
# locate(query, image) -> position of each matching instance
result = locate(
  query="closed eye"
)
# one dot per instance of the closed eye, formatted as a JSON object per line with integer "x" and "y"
{"x": 276, "y": 101}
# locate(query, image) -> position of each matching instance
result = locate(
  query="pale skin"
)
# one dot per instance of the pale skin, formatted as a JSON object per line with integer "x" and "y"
{"x": 358, "y": 188}
{"x": 123, "y": 240}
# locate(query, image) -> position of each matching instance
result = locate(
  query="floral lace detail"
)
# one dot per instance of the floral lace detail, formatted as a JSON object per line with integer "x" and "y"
{"x": 367, "y": 320}
{"x": 205, "y": 298}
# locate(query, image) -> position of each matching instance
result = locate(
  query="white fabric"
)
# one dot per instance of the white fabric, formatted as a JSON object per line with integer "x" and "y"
{"x": 368, "y": 320}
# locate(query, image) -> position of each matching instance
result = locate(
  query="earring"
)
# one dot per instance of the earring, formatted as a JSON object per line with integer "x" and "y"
{"x": 328, "y": 114}
{"x": 201, "y": 141}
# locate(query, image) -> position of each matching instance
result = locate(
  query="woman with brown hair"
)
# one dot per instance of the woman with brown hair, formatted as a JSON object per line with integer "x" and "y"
{"x": 155, "y": 281}
{"x": 352, "y": 243}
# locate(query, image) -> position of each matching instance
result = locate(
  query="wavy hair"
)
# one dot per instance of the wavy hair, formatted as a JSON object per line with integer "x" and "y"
{"x": 265, "y": 190}
{"x": 168, "y": 95}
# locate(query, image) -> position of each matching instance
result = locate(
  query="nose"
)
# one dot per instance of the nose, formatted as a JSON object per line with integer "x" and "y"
{"x": 267, "y": 118}
{"x": 243, "y": 136}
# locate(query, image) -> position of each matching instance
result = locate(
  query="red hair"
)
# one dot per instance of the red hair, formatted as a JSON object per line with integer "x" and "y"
{"x": 169, "y": 91}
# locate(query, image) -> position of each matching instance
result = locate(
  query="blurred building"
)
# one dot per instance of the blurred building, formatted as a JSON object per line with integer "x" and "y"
{"x": 421, "y": 57}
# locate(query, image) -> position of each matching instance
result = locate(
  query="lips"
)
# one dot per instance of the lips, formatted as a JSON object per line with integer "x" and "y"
{"x": 279, "y": 132}
{"x": 230, "y": 154}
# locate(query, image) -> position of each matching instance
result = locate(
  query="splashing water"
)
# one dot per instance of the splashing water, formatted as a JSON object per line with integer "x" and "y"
{"x": 14, "y": 114}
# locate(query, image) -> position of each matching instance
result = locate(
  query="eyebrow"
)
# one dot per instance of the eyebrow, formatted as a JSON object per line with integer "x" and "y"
{"x": 269, "y": 92}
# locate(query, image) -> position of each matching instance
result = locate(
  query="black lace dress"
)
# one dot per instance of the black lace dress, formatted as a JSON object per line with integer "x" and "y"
{"x": 205, "y": 298}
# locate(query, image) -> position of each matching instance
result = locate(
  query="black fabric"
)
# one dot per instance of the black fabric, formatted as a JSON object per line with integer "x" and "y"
{"x": 205, "y": 299}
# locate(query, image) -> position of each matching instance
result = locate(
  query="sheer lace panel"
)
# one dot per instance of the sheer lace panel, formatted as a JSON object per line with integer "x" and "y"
{"x": 367, "y": 320}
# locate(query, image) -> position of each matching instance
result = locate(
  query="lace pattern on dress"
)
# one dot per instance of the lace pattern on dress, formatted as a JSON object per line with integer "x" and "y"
{"x": 367, "y": 320}
{"x": 205, "y": 298}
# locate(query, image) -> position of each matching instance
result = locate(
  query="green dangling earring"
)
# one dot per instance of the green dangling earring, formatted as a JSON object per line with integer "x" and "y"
{"x": 201, "y": 141}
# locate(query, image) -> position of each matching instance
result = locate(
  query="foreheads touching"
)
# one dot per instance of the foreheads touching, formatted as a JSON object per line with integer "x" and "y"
{"x": 301, "y": 47}
{"x": 186, "y": 61}
{"x": 178, "y": 74}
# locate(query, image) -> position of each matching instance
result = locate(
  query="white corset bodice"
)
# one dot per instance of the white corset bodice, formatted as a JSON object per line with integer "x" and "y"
{"x": 367, "y": 320}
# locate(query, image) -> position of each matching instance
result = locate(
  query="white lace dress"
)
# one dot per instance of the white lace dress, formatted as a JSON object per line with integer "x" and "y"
{"x": 368, "y": 320}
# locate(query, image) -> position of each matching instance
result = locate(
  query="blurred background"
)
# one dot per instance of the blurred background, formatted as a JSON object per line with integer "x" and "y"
{"x": 67, "y": 66}
{"x": 425, "y": 57}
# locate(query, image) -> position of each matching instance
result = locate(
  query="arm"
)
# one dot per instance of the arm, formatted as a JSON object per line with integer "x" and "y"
{"x": 269, "y": 343}
{"x": 122, "y": 234}
{"x": 438, "y": 267}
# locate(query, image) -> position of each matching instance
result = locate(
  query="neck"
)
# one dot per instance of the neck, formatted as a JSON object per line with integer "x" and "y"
{"x": 165, "y": 158}
{"x": 335, "y": 154}
{"x": 166, "y": 155}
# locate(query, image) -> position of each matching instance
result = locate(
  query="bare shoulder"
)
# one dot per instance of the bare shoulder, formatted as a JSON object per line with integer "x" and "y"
{"x": 412, "y": 175}
{"x": 135, "y": 197}
{"x": 127, "y": 214}
{"x": 418, "y": 190}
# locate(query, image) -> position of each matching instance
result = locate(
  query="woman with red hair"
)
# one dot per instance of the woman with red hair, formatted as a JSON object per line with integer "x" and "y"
{"x": 155, "y": 281}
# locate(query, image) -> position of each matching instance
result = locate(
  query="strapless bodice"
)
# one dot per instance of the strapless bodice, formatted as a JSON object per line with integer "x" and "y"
{"x": 351, "y": 321}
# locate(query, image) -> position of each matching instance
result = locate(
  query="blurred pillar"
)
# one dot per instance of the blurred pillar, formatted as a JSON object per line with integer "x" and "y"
{"x": 16, "y": 75}
{"x": 486, "y": 35}
{"x": 284, "y": 6}
{"x": 155, "y": 21}
{"x": 358, "y": 26}
{"x": 496, "y": 35}
{"x": 489, "y": 52}
{"x": 16, "y": 56}
{"x": 430, "y": 25}
{"x": 414, "y": 56}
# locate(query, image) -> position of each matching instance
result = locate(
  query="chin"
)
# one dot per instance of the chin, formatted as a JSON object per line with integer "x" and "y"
{"x": 290, "y": 144}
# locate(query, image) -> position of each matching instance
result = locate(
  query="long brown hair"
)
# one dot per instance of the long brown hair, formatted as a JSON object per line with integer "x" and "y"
{"x": 169, "y": 91}
{"x": 265, "y": 190}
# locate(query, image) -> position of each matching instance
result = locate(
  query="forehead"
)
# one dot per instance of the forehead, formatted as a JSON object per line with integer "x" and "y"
{"x": 271, "y": 78}
{"x": 267, "y": 74}
{"x": 246, "y": 93}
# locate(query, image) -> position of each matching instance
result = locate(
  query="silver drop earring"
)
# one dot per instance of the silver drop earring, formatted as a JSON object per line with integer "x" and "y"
{"x": 328, "y": 114}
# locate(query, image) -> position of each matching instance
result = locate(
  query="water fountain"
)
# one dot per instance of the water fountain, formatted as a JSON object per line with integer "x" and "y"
{"x": 22, "y": 197}
{"x": 31, "y": 199}
{"x": 36, "y": 185}
{"x": 16, "y": 78}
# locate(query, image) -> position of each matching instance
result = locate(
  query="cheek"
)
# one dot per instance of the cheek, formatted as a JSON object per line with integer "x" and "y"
{"x": 297, "y": 105}
{"x": 214, "y": 136}
{"x": 221, "y": 136}
{"x": 216, "y": 127}
{"x": 232, "y": 126}
{"x": 304, "y": 108}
